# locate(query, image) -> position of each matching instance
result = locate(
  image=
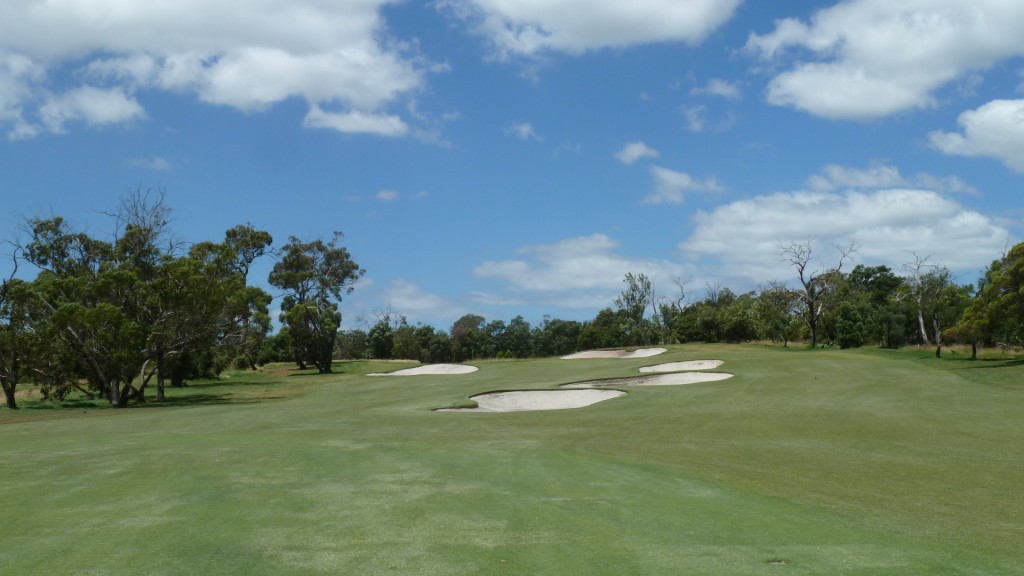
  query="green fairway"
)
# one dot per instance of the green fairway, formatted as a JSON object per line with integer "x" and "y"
{"x": 806, "y": 462}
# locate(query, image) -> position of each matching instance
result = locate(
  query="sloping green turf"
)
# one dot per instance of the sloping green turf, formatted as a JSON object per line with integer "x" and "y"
{"x": 807, "y": 462}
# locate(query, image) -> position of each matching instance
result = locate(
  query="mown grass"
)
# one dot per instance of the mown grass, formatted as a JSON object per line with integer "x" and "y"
{"x": 806, "y": 462}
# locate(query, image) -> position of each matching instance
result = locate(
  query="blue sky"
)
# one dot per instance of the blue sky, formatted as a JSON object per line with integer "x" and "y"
{"x": 504, "y": 157}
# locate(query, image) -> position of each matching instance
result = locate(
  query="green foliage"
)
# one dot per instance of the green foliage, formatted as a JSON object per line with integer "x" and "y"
{"x": 314, "y": 275}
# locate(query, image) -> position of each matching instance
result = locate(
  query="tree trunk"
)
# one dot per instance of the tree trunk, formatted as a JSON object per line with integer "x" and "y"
{"x": 921, "y": 328}
{"x": 160, "y": 378}
{"x": 974, "y": 350}
{"x": 9, "y": 396}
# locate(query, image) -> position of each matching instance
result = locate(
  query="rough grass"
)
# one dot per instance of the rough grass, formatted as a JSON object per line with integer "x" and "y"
{"x": 806, "y": 462}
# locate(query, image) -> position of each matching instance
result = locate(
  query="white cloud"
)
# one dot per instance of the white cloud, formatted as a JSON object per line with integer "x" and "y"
{"x": 743, "y": 237}
{"x": 516, "y": 28}
{"x": 411, "y": 300}
{"x": 670, "y": 186}
{"x": 524, "y": 131}
{"x": 18, "y": 75}
{"x": 634, "y": 151}
{"x": 576, "y": 271}
{"x": 696, "y": 117}
{"x": 330, "y": 54}
{"x": 877, "y": 57}
{"x": 881, "y": 175}
{"x": 719, "y": 87}
{"x": 356, "y": 122}
{"x": 387, "y": 195}
{"x": 92, "y": 105}
{"x": 995, "y": 130}
{"x": 158, "y": 163}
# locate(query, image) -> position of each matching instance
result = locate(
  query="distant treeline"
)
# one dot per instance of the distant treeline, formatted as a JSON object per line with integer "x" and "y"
{"x": 867, "y": 306}
{"x": 105, "y": 319}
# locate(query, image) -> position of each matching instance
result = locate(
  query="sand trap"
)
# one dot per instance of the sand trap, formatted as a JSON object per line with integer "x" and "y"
{"x": 681, "y": 366}
{"x": 527, "y": 400}
{"x": 619, "y": 353}
{"x": 437, "y": 369}
{"x": 675, "y": 379}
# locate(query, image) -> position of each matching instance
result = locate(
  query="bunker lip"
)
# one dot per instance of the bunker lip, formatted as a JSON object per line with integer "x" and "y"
{"x": 672, "y": 379}
{"x": 616, "y": 353}
{"x": 430, "y": 369}
{"x": 533, "y": 400}
{"x": 684, "y": 366}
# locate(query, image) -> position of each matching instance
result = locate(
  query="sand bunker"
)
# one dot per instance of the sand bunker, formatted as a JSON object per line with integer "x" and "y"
{"x": 675, "y": 379}
{"x": 439, "y": 369}
{"x": 619, "y": 353}
{"x": 681, "y": 366}
{"x": 527, "y": 400}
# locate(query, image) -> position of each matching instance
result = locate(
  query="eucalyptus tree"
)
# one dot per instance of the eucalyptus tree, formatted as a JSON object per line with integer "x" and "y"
{"x": 632, "y": 303}
{"x": 88, "y": 295}
{"x": 777, "y": 312}
{"x": 15, "y": 336}
{"x": 996, "y": 313}
{"x": 469, "y": 340}
{"x": 815, "y": 284}
{"x": 314, "y": 276}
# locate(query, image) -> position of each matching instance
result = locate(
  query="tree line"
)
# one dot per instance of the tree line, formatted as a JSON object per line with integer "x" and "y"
{"x": 108, "y": 318}
{"x": 867, "y": 306}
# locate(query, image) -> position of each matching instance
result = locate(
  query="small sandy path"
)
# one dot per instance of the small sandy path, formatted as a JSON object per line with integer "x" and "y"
{"x": 430, "y": 369}
{"x": 528, "y": 400}
{"x": 681, "y": 366}
{"x": 638, "y": 353}
{"x": 674, "y": 379}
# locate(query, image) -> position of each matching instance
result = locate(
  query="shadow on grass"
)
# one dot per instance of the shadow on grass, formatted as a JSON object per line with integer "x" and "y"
{"x": 200, "y": 399}
{"x": 223, "y": 383}
{"x": 204, "y": 400}
{"x": 968, "y": 364}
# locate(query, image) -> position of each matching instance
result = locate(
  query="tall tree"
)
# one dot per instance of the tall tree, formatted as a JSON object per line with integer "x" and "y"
{"x": 15, "y": 335}
{"x": 632, "y": 303}
{"x": 314, "y": 276}
{"x": 468, "y": 338}
{"x": 776, "y": 311}
{"x": 996, "y": 313}
{"x": 814, "y": 283}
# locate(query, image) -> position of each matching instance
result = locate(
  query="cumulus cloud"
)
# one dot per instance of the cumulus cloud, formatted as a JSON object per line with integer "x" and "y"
{"x": 995, "y": 130}
{"x": 634, "y": 151}
{"x": 743, "y": 237}
{"x": 670, "y": 186}
{"x": 874, "y": 57}
{"x": 576, "y": 271}
{"x": 575, "y": 26}
{"x": 95, "y": 106}
{"x": 333, "y": 55}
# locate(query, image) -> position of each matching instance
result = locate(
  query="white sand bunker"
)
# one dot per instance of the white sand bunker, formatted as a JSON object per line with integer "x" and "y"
{"x": 527, "y": 400}
{"x": 675, "y": 379}
{"x": 681, "y": 366}
{"x": 436, "y": 369}
{"x": 617, "y": 353}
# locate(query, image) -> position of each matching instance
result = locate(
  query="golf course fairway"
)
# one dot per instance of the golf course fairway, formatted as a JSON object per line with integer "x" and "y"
{"x": 865, "y": 462}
